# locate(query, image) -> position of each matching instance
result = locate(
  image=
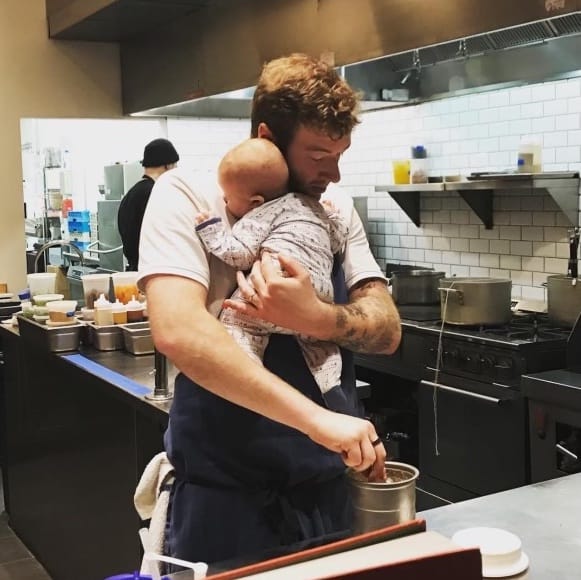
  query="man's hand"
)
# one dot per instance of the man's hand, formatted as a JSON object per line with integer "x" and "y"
{"x": 355, "y": 439}
{"x": 285, "y": 298}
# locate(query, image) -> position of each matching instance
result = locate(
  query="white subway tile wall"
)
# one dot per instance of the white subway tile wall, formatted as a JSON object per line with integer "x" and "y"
{"x": 462, "y": 135}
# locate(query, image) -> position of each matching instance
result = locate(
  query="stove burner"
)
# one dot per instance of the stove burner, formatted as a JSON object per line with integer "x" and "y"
{"x": 527, "y": 326}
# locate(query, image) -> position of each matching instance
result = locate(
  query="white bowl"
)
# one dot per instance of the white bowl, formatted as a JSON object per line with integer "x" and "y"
{"x": 501, "y": 551}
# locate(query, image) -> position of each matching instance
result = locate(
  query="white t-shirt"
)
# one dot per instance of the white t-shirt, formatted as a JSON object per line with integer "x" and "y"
{"x": 169, "y": 243}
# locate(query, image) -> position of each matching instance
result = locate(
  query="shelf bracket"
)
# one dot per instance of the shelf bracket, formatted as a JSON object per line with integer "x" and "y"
{"x": 567, "y": 198}
{"x": 409, "y": 201}
{"x": 480, "y": 202}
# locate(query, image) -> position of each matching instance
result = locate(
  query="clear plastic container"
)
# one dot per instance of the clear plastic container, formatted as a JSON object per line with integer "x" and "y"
{"x": 125, "y": 286}
{"x": 62, "y": 310}
{"x": 103, "y": 312}
{"x": 41, "y": 283}
{"x": 419, "y": 171}
{"x": 93, "y": 286}
{"x": 530, "y": 157}
{"x": 401, "y": 171}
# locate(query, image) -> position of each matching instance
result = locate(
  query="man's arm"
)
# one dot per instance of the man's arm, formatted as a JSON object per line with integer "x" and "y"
{"x": 368, "y": 323}
{"x": 202, "y": 349}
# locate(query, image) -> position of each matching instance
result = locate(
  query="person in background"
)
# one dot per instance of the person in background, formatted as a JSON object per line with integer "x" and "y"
{"x": 159, "y": 156}
{"x": 259, "y": 456}
{"x": 254, "y": 178}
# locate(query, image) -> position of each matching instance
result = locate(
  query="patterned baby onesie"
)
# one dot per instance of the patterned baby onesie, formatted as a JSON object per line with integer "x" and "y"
{"x": 298, "y": 226}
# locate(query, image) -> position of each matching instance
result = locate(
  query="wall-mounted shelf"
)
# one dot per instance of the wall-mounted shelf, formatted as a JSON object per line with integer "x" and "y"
{"x": 477, "y": 193}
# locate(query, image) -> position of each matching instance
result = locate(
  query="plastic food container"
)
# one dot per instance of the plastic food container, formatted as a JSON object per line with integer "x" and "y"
{"x": 44, "y": 299}
{"x": 401, "y": 171}
{"x": 93, "y": 286}
{"x": 62, "y": 310}
{"x": 41, "y": 283}
{"x": 125, "y": 286}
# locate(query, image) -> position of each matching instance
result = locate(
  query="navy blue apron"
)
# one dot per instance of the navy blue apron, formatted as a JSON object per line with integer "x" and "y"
{"x": 247, "y": 487}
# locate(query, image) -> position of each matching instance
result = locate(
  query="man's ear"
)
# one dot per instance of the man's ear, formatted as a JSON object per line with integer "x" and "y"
{"x": 264, "y": 132}
{"x": 256, "y": 200}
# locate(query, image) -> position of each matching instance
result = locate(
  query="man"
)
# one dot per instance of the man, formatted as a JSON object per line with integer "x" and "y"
{"x": 158, "y": 156}
{"x": 260, "y": 463}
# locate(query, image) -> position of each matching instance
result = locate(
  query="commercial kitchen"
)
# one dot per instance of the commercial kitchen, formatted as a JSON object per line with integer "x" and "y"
{"x": 481, "y": 106}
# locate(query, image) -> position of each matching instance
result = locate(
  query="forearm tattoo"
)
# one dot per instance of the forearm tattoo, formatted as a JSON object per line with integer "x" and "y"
{"x": 370, "y": 322}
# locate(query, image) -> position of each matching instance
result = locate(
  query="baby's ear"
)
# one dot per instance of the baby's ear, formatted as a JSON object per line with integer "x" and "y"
{"x": 256, "y": 200}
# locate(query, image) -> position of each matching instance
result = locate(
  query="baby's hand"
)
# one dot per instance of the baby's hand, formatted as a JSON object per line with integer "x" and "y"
{"x": 202, "y": 217}
{"x": 329, "y": 206}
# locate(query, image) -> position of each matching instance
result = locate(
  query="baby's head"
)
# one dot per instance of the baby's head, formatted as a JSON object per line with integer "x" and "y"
{"x": 250, "y": 174}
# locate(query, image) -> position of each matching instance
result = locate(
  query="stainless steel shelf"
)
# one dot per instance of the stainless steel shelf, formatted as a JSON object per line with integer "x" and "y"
{"x": 563, "y": 187}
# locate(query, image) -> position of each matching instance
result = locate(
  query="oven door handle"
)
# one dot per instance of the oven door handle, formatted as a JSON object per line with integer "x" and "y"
{"x": 486, "y": 398}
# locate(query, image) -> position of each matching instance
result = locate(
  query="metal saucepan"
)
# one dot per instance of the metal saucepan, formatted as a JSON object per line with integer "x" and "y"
{"x": 563, "y": 300}
{"x": 475, "y": 301}
{"x": 416, "y": 286}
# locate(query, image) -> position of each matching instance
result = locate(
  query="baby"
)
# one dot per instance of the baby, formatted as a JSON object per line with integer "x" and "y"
{"x": 254, "y": 178}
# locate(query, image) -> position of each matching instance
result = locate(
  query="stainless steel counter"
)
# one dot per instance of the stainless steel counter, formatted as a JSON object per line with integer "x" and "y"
{"x": 545, "y": 516}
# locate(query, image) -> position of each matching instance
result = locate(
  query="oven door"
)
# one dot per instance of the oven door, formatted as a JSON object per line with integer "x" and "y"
{"x": 555, "y": 441}
{"x": 472, "y": 436}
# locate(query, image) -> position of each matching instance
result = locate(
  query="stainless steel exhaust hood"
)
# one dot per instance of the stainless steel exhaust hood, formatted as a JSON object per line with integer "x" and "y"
{"x": 390, "y": 49}
{"x": 533, "y": 52}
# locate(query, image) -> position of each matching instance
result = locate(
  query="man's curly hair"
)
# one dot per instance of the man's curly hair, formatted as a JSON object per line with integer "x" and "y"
{"x": 299, "y": 90}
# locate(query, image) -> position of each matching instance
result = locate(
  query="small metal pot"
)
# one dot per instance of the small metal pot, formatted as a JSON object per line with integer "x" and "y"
{"x": 381, "y": 504}
{"x": 475, "y": 301}
{"x": 563, "y": 300}
{"x": 416, "y": 286}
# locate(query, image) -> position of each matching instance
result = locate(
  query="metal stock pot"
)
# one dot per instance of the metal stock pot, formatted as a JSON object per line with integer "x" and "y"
{"x": 563, "y": 300}
{"x": 475, "y": 301}
{"x": 416, "y": 286}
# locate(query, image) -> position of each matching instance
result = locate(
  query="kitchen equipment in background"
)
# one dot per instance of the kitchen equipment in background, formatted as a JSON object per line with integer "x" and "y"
{"x": 110, "y": 246}
{"x": 416, "y": 286}
{"x": 381, "y": 504}
{"x": 360, "y": 204}
{"x": 401, "y": 171}
{"x": 554, "y": 399}
{"x": 120, "y": 178}
{"x": 573, "y": 252}
{"x": 563, "y": 299}
{"x": 475, "y": 301}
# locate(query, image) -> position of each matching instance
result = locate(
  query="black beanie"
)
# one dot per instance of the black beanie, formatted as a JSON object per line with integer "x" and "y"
{"x": 159, "y": 152}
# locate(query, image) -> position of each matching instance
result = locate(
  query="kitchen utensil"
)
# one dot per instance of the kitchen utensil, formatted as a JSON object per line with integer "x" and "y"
{"x": 380, "y": 504}
{"x": 563, "y": 300}
{"x": 475, "y": 301}
{"x": 416, "y": 286}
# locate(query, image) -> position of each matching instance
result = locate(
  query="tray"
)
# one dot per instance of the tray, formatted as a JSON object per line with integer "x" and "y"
{"x": 41, "y": 337}
{"x": 104, "y": 337}
{"x": 137, "y": 338}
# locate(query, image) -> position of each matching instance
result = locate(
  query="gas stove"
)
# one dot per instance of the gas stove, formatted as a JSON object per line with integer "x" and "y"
{"x": 529, "y": 342}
